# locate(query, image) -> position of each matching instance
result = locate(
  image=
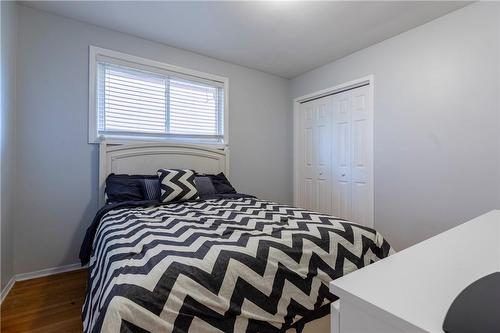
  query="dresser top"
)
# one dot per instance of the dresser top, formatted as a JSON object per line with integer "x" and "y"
{"x": 414, "y": 288}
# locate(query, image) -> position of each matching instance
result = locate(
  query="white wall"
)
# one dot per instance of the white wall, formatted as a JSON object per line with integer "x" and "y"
{"x": 8, "y": 93}
{"x": 437, "y": 121}
{"x": 57, "y": 168}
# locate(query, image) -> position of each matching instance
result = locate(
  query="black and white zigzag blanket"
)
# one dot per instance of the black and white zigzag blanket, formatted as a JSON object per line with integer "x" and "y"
{"x": 219, "y": 265}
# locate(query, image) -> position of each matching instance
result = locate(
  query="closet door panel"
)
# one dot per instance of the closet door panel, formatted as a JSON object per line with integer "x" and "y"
{"x": 360, "y": 203}
{"x": 342, "y": 155}
{"x": 361, "y": 158}
{"x": 359, "y": 149}
{"x": 323, "y": 157}
{"x": 316, "y": 152}
{"x": 343, "y": 150}
{"x": 309, "y": 167}
{"x": 342, "y": 142}
{"x": 309, "y": 194}
{"x": 342, "y": 200}
{"x": 360, "y": 135}
{"x": 308, "y": 146}
{"x": 324, "y": 197}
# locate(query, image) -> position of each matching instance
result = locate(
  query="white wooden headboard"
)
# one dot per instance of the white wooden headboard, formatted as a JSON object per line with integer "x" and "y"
{"x": 147, "y": 158}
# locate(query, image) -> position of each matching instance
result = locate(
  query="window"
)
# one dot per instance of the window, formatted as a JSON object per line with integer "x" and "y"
{"x": 134, "y": 98}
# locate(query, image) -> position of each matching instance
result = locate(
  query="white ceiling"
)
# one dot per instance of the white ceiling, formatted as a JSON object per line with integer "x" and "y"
{"x": 282, "y": 38}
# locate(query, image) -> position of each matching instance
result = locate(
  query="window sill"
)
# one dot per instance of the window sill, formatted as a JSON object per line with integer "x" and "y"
{"x": 121, "y": 140}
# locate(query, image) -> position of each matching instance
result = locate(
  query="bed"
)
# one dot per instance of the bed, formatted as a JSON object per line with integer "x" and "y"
{"x": 227, "y": 263}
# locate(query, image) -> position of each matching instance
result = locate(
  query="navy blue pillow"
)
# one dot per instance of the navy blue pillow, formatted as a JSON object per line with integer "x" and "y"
{"x": 126, "y": 187}
{"x": 221, "y": 184}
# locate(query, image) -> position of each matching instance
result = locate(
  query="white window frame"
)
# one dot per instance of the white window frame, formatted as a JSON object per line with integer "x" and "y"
{"x": 94, "y": 137}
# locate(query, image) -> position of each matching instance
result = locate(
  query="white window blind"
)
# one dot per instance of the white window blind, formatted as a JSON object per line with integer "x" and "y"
{"x": 144, "y": 103}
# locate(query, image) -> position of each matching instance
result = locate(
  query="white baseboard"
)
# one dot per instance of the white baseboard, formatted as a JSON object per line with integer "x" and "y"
{"x": 7, "y": 289}
{"x": 47, "y": 272}
{"x": 37, "y": 274}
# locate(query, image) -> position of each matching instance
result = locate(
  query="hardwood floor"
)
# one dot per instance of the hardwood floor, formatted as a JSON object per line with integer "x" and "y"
{"x": 47, "y": 304}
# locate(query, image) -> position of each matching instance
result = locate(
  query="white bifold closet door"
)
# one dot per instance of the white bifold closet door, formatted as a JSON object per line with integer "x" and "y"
{"x": 335, "y": 153}
{"x": 317, "y": 155}
{"x": 352, "y": 147}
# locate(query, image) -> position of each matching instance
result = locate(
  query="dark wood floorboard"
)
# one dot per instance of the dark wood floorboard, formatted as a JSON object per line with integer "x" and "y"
{"x": 47, "y": 304}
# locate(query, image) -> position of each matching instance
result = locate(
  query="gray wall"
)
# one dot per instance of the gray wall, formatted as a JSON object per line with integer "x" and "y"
{"x": 437, "y": 125}
{"x": 58, "y": 169}
{"x": 7, "y": 160}
{"x": 437, "y": 121}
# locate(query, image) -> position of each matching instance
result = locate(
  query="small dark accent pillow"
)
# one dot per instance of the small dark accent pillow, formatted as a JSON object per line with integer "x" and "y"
{"x": 221, "y": 183}
{"x": 126, "y": 187}
{"x": 177, "y": 185}
{"x": 204, "y": 185}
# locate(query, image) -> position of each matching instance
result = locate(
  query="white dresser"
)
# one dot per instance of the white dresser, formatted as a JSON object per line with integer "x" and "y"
{"x": 412, "y": 290}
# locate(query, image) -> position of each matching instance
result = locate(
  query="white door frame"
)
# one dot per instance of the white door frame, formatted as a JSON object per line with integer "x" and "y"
{"x": 366, "y": 80}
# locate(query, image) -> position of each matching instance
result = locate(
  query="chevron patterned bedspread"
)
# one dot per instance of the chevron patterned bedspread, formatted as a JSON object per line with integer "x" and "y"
{"x": 220, "y": 265}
